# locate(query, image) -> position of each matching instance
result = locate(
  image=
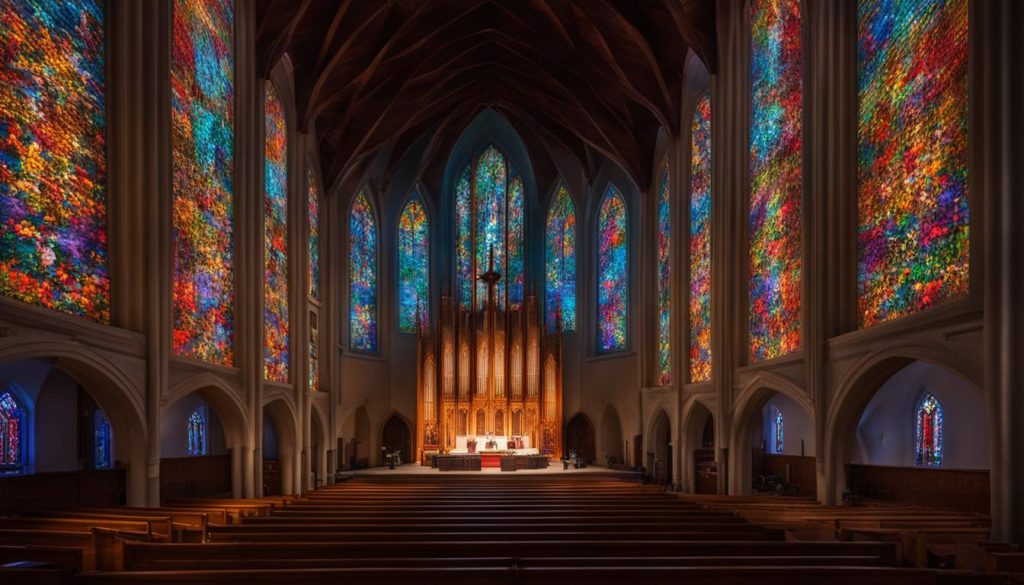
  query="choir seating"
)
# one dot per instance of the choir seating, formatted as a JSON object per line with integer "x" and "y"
{"x": 494, "y": 529}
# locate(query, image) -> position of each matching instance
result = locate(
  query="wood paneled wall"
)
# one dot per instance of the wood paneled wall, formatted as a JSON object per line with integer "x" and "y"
{"x": 185, "y": 477}
{"x": 104, "y": 487}
{"x": 957, "y": 489}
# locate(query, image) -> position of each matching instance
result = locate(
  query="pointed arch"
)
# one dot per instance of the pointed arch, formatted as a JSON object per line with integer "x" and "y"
{"x": 664, "y": 291}
{"x": 413, "y": 264}
{"x": 612, "y": 272}
{"x": 363, "y": 274}
{"x": 276, "y": 342}
{"x": 700, "y": 242}
{"x": 12, "y": 433}
{"x": 560, "y": 261}
{"x": 928, "y": 432}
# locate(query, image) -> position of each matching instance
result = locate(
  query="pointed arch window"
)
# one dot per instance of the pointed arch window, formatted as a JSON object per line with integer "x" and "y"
{"x": 12, "y": 434}
{"x": 779, "y": 427}
{"x": 928, "y": 432}
{"x": 776, "y": 186}
{"x": 700, "y": 242}
{"x": 362, "y": 272}
{"x": 313, "y": 216}
{"x": 912, "y": 203}
{"x": 198, "y": 441}
{"x": 664, "y": 301}
{"x": 102, "y": 446}
{"x": 612, "y": 272}
{"x": 489, "y": 222}
{"x": 413, "y": 265}
{"x": 276, "y": 345}
{"x": 560, "y": 261}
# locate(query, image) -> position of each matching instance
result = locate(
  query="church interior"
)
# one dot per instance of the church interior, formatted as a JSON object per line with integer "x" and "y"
{"x": 512, "y": 291}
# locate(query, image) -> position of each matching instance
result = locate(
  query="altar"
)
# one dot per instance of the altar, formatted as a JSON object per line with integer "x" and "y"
{"x": 493, "y": 443}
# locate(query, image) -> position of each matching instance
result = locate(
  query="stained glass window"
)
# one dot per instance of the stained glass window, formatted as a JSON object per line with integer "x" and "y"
{"x": 197, "y": 432}
{"x": 913, "y": 212}
{"x": 276, "y": 344}
{"x": 779, "y": 424}
{"x": 101, "y": 441}
{"x": 560, "y": 261}
{"x": 700, "y": 242}
{"x": 413, "y": 266}
{"x": 612, "y": 272}
{"x": 928, "y": 432}
{"x": 314, "y": 234}
{"x": 314, "y": 353}
{"x": 203, "y": 157}
{"x": 776, "y": 145}
{"x": 53, "y": 215}
{"x": 12, "y": 434}
{"x": 664, "y": 277}
{"x": 362, "y": 275}
{"x": 490, "y": 221}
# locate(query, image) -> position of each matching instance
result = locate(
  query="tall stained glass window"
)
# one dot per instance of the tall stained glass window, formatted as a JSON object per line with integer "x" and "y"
{"x": 53, "y": 214}
{"x": 780, "y": 428}
{"x": 560, "y": 261}
{"x": 413, "y": 266}
{"x": 928, "y": 432}
{"x": 198, "y": 442}
{"x": 913, "y": 212}
{"x": 776, "y": 146}
{"x": 664, "y": 277}
{"x": 313, "y": 211}
{"x": 101, "y": 441}
{"x": 314, "y": 353}
{"x": 489, "y": 222}
{"x": 276, "y": 344}
{"x": 203, "y": 157}
{"x": 362, "y": 275}
{"x": 12, "y": 434}
{"x": 612, "y": 272}
{"x": 700, "y": 242}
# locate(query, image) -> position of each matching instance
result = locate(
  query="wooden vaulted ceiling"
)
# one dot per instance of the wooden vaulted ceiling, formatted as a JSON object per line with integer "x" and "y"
{"x": 590, "y": 77}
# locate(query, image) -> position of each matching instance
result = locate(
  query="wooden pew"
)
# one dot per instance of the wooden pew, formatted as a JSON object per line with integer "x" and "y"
{"x": 67, "y": 556}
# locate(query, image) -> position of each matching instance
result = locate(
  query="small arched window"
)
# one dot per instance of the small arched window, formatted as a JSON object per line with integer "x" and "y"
{"x": 779, "y": 427}
{"x": 197, "y": 432}
{"x": 928, "y": 432}
{"x": 612, "y": 272}
{"x": 101, "y": 441}
{"x": 12, "y": 434}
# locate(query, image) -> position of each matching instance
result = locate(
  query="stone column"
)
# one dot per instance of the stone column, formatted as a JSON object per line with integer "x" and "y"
{"x": 997, "y": 167}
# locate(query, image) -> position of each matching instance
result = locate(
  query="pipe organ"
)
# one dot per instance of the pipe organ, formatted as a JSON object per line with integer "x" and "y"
{"x": 490, "y": 370}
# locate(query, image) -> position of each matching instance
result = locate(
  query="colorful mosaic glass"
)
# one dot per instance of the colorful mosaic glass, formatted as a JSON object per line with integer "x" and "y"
{"x": 314, "y": 354}
{"x": 489, "y": 190}
{"x": 464, "y": 238}
{"x": 53, "y": 215}
{"x": 101, "y": 441}
{"x": 612, "y": 272}
{"x": 779, "y": 432}
{"x": 413, "y": 266}
{"x": 776, "y": 146}
{"x": 515, "y": 243}
{"x": 913, "y": 212}
{"x": 203, "y": 157}
{"x": 198, "y": 443}
{"x": 276, "y": 344}
{"x": 362, "y": 276}
{"x": 928, "y": 432}
{"x": 560, "y": 261}
{"x": 12, "y": 428}
{"x": 664, "y": 278}
{"x": 313, "y": 214}
{"x": 700, "y": 242}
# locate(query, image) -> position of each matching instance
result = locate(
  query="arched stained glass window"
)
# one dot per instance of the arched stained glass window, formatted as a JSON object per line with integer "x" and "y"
{"x": 12, "y": 434}
{"x": 203, "y": 159}
{"x": 198, "y": 442}
{"x": 413, "y": 266}
{"x": 612, "y": 272}
{"x": 276, "y": 344}
{"x": 362, "y": 275}
{"x": 313, "y": 214}
{"x": 912, "y": 204}
{"x": 664, "y": 301}
{"x": 779, "y": 424}
{"x": 489, "y": 223}
{"x": 560, "y": 261}
{"x": 776, "y": 150}
{"x": 700, "y": 242}
{"x": 53, "y": 207}
{"x": 928, "y": 432}
{"x": 101, "y": 441}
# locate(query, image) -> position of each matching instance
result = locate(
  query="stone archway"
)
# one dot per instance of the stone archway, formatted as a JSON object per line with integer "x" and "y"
{"x": 280, "y": 414}
{"x": 659, "y": 449}
{"x": 611, "y": 437}
{"x": 579, "y": 437}
{"x": 699, "y": 472}
{"x": 396, "y": 436}
{"x": 318, "y": 447}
